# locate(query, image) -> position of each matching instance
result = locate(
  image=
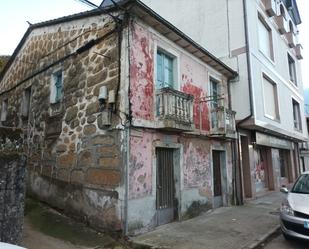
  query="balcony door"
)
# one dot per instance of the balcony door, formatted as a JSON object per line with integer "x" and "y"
{"x": 165, "y": 70}
{"x": 214, "y": 96}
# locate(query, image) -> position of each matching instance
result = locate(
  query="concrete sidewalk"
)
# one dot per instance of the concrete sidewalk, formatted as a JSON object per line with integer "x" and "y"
{"x": 240, "y": 227}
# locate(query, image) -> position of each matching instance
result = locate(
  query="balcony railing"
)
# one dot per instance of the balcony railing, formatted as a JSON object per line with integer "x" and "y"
{"x": 222, "y": 122}
{"x": 174, "y": 109}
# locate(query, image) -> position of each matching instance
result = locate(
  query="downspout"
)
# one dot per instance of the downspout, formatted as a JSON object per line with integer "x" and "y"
{"x": 238, "y": 178}
{"x": 127, "y": 129}
{"x": 248, "y": 64}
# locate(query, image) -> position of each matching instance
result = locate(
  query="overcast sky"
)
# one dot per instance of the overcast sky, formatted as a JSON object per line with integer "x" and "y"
{"x": 14, "y": 15}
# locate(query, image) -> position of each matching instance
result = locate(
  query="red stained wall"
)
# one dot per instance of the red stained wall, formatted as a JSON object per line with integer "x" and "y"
{"x": 141, "y": 72}
{"x": 200, "y": 109}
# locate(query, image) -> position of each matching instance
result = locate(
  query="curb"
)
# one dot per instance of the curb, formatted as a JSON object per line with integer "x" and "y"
{"x": 264, "y": 238}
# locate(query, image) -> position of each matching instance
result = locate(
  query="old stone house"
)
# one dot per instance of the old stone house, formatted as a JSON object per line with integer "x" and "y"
{"x": 127, "y": 120}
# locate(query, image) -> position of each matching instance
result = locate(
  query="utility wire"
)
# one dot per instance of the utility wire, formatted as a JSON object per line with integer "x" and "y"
{"x": 90, "y": 4}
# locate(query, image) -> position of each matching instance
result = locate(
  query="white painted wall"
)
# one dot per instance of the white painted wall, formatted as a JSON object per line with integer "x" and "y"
{"x": 278, "y": 71}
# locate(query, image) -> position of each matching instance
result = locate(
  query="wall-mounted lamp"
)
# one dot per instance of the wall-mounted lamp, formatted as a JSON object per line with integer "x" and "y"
{"x": 102, "y": 97}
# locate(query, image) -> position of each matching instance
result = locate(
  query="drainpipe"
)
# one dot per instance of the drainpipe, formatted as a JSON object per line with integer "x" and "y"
{"x": 248, "y": 64}
{"x": 127, "y": 129}
{"x": 238, "y": 178}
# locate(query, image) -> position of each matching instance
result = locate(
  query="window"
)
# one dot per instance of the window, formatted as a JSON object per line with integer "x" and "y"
{"x": 165, "y": 70}
{"x": 296, "y": 115}
{"x": 214, "y": 103}
{"x": 56, "y": 87}
{"x": 265, "y": 38}
{"x": 25, "y": 104}
{"x": 214, "y": 92}
{"x": 282, "y": 11}
{"x": 292, "y": 70}
{"x": 270, "y": 98}
{"x": 4, "y": 110}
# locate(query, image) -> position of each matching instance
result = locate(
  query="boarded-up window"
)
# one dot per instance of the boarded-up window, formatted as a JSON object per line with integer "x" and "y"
{"x": 270, "y": 98}
{"x": 265, "y": 38}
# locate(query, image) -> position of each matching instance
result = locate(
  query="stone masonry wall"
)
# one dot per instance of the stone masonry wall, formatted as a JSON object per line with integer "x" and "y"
{"x": 12, "y": 197}
{"x": 74, "y": 159}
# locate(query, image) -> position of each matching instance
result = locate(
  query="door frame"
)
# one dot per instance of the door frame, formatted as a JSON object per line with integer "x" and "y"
{"x": 223, "y": 169}
{"x": 178, "y": 177}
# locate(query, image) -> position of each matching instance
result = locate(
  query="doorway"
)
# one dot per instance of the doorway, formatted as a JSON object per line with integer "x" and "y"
{"x": 166, "y": 205}
{"x": 218, "y": 159}
{"x": 245, "y": 162}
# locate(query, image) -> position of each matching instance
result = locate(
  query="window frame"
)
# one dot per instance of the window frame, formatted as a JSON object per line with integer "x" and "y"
{"x": 271, "y": 55}
{"x": 299, "y": 128}
{"x": 168, "y": 49}
{"x": 292, "y": 70}
{"x": 54, "y": 88}
{"x": 211, "y": 80}
{"x": 26, "y": 102}
{"x": 4, "y": 109}
{"x": 276, "y": 98}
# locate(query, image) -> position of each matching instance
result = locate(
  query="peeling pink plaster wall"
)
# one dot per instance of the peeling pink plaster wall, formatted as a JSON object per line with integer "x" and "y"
{"x": 196, "y": 164}
{"x": 140, "y": 166}
{"x": 141, "y": 161}
{"x": 141, "y": 73}
{"x": 196, "y": 158}
{"x": 194, "y": 81}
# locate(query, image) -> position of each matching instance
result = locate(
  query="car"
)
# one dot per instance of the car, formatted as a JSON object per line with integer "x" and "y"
{"x": 9, "y": 246}
{"x": 294, "y": 211}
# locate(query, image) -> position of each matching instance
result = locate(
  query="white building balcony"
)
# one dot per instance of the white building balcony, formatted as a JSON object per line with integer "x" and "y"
{"x": 270, "y": 7}
{"x": 174, "y": 110}
{"x": 282, "y": 23}
{"x": 222, "y": 122}
{"x": 291, "y": 38}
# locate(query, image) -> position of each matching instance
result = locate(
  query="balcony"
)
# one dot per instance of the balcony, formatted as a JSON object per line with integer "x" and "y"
{"x": 174, "y": 110}
{"x": 291, "y": 38}
{"x": 270, "y": 7}
{"x": 298, "y": 51}
{"x": 283, "y": 26}
{"x": 222, "y": 122}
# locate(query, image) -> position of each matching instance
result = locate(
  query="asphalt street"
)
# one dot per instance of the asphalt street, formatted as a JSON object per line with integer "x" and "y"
{"x": 280, "y": 242}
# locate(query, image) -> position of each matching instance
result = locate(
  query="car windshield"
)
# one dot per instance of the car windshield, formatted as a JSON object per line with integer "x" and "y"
{"x": 302, "y": 185}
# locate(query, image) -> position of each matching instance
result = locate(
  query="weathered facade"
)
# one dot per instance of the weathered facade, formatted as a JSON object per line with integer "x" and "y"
{"x": 258, "y": 39}
{"x": 111, "y": 139}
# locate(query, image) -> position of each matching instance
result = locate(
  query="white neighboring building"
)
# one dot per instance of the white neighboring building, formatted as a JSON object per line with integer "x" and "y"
{"x": 259, "y": 39}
